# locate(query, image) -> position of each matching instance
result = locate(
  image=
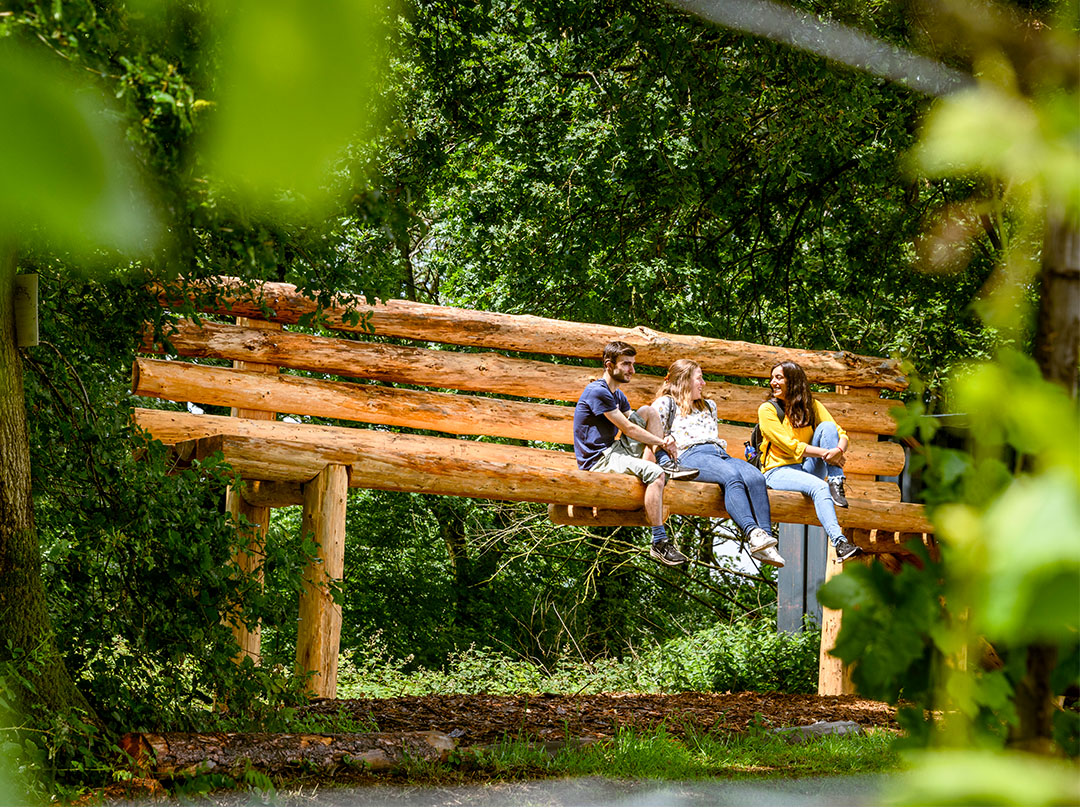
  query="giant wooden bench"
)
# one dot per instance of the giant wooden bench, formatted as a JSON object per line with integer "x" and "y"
{"x": 296, "y": 462}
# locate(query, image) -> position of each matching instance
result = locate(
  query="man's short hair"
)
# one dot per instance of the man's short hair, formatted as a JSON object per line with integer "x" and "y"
{"x": 616, "y": 350}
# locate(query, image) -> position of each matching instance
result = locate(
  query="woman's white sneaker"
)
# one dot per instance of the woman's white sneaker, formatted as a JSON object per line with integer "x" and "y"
{"x": 769, "y": 556}
{"x": 760, "y": 540}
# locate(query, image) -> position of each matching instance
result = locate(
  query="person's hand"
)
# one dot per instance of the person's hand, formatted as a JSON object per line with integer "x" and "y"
{"x": 670, "y": 446}
{"x": 835, "y": 457}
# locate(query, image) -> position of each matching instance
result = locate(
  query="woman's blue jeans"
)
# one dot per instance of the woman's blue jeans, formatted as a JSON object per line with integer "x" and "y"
{"x": 809, "y": 476}
{"x": 746, "y": 498}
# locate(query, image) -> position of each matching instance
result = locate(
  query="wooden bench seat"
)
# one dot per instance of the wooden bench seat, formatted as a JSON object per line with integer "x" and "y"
{"x": 499, "y": 388}
{"x": 291, "y": 454}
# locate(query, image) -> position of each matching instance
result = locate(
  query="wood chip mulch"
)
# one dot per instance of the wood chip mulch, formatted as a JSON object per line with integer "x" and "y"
{"x": 486, "y": 719}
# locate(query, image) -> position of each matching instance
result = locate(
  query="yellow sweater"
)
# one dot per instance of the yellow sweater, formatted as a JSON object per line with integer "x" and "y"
{"x": 787, "y": 445}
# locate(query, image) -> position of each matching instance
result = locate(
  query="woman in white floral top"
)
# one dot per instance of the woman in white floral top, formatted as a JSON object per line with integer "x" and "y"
{"x": 691, "y": 420}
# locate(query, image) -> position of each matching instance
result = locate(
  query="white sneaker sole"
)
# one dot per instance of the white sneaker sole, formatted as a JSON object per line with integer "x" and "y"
{"x": 773, "y": 560}
{"x": 658, "y": 557}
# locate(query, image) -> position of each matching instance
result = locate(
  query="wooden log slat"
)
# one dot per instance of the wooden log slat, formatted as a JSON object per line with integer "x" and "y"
{"x": 417, "y": 409}
{"x": 886, "y": 543}
{"x": 541, "y": 335}
{"x": 472, "y": 372}
{"x": 416, "y": 463}
{"x": 180, "y": 429}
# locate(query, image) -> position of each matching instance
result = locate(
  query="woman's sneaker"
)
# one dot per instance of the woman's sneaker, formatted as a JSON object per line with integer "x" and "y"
{"x": 667, "y": 553}
{"x": 676, "y": 472}
{"x": 845, "y": 550}
{"x": 769, "y": 556}
{"x": 836, "y": 488}
{"x": 760, "y": 539}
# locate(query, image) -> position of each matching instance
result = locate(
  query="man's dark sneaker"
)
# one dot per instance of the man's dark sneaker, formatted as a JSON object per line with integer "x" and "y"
{"x": 836, "y": 488}
{"x": 676, "y": 472}
{"x": 667, "y": 553}
{"x": 845, "y": 550}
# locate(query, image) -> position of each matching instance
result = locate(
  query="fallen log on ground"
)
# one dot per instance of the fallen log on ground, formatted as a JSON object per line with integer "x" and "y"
{"x": 173, "y": 754}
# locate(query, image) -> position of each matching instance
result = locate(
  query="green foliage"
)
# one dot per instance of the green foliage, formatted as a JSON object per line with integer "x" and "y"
{"x": 1009, "y": 569}
{"x": 139, "y": 561}
{"x": 43, "y": 752}
{"x": 742, "y": 656}
{"x": 73, "y": 177}
{"x": 960, "y": 777}
{"x": 294, "y": 88}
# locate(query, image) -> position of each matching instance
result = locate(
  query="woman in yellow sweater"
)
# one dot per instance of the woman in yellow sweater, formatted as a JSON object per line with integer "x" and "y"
{"x": 804, "y": 449}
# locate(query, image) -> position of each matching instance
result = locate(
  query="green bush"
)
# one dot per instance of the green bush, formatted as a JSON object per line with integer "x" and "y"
{"x": 745, "y": 655}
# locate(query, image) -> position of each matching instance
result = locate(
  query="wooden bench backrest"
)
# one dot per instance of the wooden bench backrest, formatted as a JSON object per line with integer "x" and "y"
{"x": 507, "y": 379}
{"x": 473, "y": 391}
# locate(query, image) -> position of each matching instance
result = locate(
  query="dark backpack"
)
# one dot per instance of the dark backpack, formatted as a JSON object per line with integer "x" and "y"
{"x": 754, "y": 451}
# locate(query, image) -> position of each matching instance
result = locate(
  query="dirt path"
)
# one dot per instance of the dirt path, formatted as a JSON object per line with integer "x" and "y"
{"x": 484, "y": 719}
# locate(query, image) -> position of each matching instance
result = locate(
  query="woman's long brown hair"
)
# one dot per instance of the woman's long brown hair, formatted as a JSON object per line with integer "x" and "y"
{"x": 677, "y": 385}
{"x": 799, "y": 404}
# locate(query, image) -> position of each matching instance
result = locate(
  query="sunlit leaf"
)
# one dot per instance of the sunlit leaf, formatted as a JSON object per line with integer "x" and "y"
{"x": 947, "y": 777}
{"x": 296, "y": 86}
{"x": 66, "y": 169}
{"x": 1027, "y": 141}
{"x": 1032, "y": 578}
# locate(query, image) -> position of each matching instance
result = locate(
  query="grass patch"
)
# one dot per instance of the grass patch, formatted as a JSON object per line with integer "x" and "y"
{"x": 692, "y": 755}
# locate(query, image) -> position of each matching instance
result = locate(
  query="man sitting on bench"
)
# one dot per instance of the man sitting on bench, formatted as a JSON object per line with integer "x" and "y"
{"x": 602, "y": 411}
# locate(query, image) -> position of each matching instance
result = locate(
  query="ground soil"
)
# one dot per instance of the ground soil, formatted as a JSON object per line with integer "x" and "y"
{"x": 552, "y": 720}
{"x": 486, "y": 719}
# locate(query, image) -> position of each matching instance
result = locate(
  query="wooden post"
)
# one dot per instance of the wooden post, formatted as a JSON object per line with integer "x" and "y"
{"x": 250, "y": 563}
{"x": 318, "y": 637}
{"x": 250, "y": 560}
{"x": 834, "y": 678}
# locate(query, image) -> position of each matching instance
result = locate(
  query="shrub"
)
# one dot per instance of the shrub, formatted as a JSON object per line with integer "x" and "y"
{"x": 745, "y": 655}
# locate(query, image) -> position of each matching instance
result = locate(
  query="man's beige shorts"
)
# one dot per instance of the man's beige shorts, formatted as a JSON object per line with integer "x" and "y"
{"x": 624, "y": 457}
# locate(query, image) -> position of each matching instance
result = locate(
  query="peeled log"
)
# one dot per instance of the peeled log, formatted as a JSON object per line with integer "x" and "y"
{"x": 877, "y": 542}
{"x": 318, "y": 635}
{"x": 541, "y": 335}
{"x": 419, "y": 464}
{"x": 174, "y": 754}
{"x": 182, "y": 428}
{"x": 416, "y": 409}
{"x": 474, "y": 372}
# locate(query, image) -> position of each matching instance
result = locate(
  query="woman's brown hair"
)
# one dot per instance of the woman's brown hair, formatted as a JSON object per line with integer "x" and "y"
{"x": 799, "y": 400}
{"x": 677, "y": 384}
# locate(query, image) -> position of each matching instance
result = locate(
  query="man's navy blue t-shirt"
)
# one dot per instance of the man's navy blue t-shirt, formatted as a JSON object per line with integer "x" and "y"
{"x": 593, "y": 432}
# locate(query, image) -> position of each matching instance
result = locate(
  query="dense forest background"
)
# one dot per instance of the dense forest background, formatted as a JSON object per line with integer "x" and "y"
{"x": 612, "y": 162}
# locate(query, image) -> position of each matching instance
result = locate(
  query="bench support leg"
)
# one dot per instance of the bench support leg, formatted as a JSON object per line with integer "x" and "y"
{"x": 834, "y": 678}
{"x": 318, "y": 638}
{"x": 250, "y": 562}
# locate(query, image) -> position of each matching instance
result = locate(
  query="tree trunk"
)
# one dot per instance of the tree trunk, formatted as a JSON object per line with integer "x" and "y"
{"x": 1057, "y": 350}
{"x": 24, "y": 617}
{"x": 1057, "y": 332}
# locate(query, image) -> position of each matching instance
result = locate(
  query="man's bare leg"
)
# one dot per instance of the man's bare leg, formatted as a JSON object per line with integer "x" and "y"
{"x": 654, "y": 501}
{"x": 652, "y": 423}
